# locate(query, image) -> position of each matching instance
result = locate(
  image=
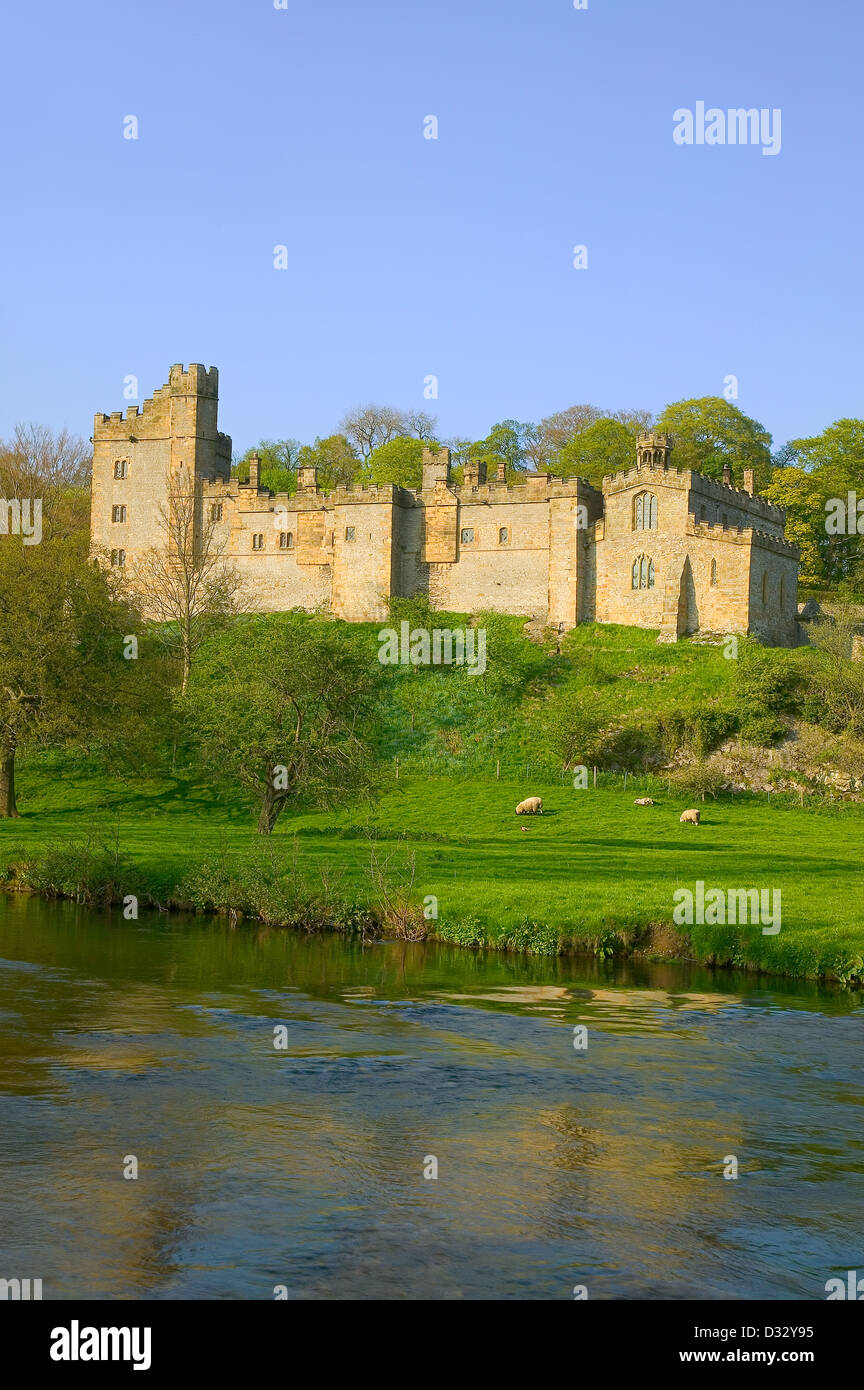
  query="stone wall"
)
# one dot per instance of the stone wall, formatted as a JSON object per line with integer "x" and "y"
{"x": 555, "y": 550}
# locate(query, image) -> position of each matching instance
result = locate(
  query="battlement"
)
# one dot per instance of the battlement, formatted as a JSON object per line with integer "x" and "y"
{"x": 718, "y": 533}
{"x": 738, "y": 497}
{"x": 196, "y": 381}
{"x": 614, "y": 482}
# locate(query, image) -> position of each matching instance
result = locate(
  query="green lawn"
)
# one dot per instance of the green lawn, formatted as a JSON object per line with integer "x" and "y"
{"x": 594, "y": 871}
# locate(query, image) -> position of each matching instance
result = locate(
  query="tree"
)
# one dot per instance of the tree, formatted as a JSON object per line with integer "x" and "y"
{"x": 55, "y": 468}
{"x": 370, "y": 426}
{"x": 837, "y": 681}
{"x": 557, "y": 431}
{"x": 64, "y": 625}
{"x": 278, "y": 460}
{"x": 185, "y": 583}
{"x": 803, "y": 495}
{"x": 336, "y": 460}
{"x": 400, "y": 461}
{"x": 420, "y": 424}
{"x": 279, "y": 706}
{"x": 604, "y": 446}
{"x": 711, "y": 431}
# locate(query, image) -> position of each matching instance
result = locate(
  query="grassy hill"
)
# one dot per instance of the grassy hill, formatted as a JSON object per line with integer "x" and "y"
{"x": 594, "y": 872}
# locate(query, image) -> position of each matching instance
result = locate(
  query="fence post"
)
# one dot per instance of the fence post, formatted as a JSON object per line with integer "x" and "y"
{"x": 397, "y": 769}
{"x": 498, "y": 770}
{"x": 625, "y": 779}
{"x": 595, "y": 777}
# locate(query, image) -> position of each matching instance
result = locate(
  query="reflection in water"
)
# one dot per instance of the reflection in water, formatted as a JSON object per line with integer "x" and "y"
{"x": 304, "y": 1167}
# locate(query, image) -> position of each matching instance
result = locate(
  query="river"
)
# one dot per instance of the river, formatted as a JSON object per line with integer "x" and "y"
{"x": 301, "y": 1168}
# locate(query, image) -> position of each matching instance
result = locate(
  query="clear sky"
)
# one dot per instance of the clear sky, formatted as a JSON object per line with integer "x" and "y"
{"x": 407, "y": 257}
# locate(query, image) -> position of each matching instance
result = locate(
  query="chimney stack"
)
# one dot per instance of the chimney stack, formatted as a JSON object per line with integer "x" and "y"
{"x": 436, "y": 467}
{"x": 254, "y": 471}
{"x": 501, "y": 472}
{"x": 727, "y": 474}
{"x": 307, "y": 479}
{"x": 750, "y": 481}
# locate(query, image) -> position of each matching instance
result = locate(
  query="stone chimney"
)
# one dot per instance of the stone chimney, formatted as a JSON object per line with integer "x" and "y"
{"x": 727, "y": 474}
{"x": 307, "y": 479}
{"x": 750, "y": 481}
{"x": 436, "y": 467}
{"x": 474, "y": 473}
{"x": 501, "y": 472}
{"x": 255, "y": 471}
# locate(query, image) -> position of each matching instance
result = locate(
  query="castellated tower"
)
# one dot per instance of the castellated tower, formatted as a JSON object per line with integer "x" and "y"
{"x": 174, "y": 434}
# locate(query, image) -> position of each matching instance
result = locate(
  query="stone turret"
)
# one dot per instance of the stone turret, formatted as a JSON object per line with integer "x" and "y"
{"x": 652, "y": 450}
{"x": 436, "y": 467}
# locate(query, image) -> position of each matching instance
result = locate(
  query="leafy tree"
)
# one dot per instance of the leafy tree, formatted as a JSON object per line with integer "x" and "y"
{"x": 278, "y": 460}
{"x": 335, "y": 458}
{"x": 400, "y": 461}
{"x": 557, "y": 431}
{"x": 63, "y": 675}
{"x": 605, "y": 446}
{"x": 804, "y": 496}
{"x": 280, "y": 707}
{"x": 711, "y": 431}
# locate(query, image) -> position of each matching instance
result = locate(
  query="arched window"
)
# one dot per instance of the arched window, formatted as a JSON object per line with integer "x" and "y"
{"x": 642, "y": 575}
{"x": 782, "y": 590}
{"x": 713, "y": 574}
{"x": 764, "y": 588}
{"x": 645, "y": 512}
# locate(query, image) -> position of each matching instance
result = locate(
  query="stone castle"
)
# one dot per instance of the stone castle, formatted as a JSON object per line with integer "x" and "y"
{"x": 656, "y": 547}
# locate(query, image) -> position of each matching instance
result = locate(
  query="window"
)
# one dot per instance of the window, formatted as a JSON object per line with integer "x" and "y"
{"x": 120, "y": 468}
{"x": 703, "y": 513}
{"x": 643, "y": 572}
{"x": 782, "y": 589}
{"x": 713, "y": 574}
{"x": 216, "y": 511}
{"x": 503, "y": 535}
{"x": 258, "y": 542}
{"x": 725, "y": 520}
{"x": 468, "y": 535}
{"x": 645, "y": 512}
{"x": 349, "y": 533}
{"x": 118, "y": 513}
{"x": 118, "y": 557}
{"x": 764, "y": 588}
{"x": 286, "y": 540}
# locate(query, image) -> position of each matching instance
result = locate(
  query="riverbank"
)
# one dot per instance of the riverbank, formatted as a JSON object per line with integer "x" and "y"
{"x": 449, "y": 860}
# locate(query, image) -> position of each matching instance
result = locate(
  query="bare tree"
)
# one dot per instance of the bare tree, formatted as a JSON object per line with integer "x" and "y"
{"x": 369, "y": 426}
{"x": 186, "y": 583}
{"x": 421, "y": 424}
{"x": 55, "y": 468}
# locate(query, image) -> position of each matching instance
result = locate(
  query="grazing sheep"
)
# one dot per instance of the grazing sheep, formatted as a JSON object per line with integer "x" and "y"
{"x": 531, "y": 806}
{"x": 690, "y": 818}
{"x": 644, "y": 801}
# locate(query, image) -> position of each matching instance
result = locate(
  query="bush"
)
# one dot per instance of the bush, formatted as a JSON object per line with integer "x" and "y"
{"x": 90, "y": 871}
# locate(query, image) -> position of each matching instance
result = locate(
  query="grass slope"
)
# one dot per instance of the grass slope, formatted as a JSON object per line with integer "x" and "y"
{"x": 594, "y": 871}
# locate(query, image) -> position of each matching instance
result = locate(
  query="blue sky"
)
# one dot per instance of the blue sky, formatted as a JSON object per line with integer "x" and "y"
{"x": 408, "y": 257}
